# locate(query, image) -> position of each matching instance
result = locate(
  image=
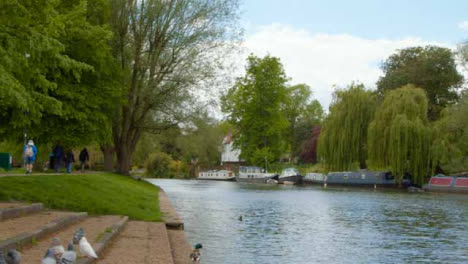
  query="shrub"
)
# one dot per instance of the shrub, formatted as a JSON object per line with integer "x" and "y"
{"x": 179, "y": 169}
{"x": 158, "y": 165}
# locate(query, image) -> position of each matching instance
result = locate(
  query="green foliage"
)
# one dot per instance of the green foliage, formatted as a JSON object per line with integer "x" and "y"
{"x": 158, "y": 165}
{"x": 302, "y": 115}
{"x": 96, "y": 194}
{"x": 254, "y": 106}
{"x": 179, "y": 169}
{"x": 161, "y": 165}
{"x": 430, "y": 68}
{"x": 343, "y": 139}
{"x": 400, "y": 136}
{"x": 56, "y": 73}
{"x": 450, "y": 146}
{"x": 202, "y": 141}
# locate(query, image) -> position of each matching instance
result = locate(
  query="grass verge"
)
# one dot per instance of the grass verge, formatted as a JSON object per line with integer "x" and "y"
{"x": 102, "y": 193}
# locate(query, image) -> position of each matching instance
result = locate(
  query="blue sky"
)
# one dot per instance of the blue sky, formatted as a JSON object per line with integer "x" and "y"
{"x": 329, "y": 44}
{"x": 432, "y": 20}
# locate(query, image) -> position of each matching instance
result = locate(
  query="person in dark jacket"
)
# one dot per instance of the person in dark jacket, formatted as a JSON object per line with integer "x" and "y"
{"x": 69, "y": 159}
{"x": 84, "y": 157}
{"x": 58, "y": 156}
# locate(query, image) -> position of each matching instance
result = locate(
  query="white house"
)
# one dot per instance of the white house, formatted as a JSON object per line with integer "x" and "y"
{"x": 229, "y": 154}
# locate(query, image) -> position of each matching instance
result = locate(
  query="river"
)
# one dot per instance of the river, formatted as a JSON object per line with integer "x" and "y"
{"x": 309, "y": 224}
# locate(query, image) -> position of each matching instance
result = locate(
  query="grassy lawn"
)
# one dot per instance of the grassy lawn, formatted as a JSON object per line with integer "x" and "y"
{"x": 96, "y": 194}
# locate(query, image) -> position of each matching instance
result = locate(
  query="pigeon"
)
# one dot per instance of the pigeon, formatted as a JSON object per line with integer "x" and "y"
{"x": 49, "y": 258}
{"x": 2, "y": 260}
{"x": 79, "y": 233}
{"x": 13, "y": 257}
{"x": 195, "y": 255}
{"x": 57, "y": 248}
{"x": 69, "y": 256}
{"x": 86, "y": 249}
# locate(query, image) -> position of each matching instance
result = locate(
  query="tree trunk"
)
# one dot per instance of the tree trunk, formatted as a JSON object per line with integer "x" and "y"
{"x": 125, "y": 149}
{"x": 123, "y": 159}
{"x": 108, "y": 152}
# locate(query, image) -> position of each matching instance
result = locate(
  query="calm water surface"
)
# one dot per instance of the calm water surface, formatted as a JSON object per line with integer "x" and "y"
{"x": 287, "y": 224}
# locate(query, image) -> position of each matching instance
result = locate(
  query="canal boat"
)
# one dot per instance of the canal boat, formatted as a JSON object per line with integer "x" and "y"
{"x": 221, "y": 175}
{"x": 315, "y": 178}
{"x": 442, "y": 183}
{"x": 254, "y": 174}
{"x": 364, "y": 178}
{"x": 290, "y": 176}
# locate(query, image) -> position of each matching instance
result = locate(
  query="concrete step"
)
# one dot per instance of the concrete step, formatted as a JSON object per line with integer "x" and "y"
{"x": 100, "y": 230}
{"x": 170, "y": 215}
{"x": 21, "y": 231}
{"x": 12, "y": 210}
{"x": 140, "y": 243}
{"x": 180, "y": 248}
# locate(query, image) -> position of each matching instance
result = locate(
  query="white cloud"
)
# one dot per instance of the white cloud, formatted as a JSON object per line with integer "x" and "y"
{"x": 463, "y": 25}
{"x": 323, "y": 60}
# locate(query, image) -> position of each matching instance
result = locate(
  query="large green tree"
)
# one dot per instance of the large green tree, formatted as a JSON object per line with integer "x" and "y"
{"x": 167, "y": 49}
{"x": 254, "y": 106}
{"x": 450, "y": 145}
{"x": 302, "y": 115}
{"x": 343, "y": 138}
{"x": 55, "y": 71}
{"x": 430, "y": 68}
{"x": 400, "y": 136}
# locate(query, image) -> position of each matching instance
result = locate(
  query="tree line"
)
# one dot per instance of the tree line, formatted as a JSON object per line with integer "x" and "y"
{"x": 107, "y": 71}
{"x": 414, "y": 124}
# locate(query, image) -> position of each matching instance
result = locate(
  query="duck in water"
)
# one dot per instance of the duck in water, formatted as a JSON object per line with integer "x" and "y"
{"x": 195, "y": 255}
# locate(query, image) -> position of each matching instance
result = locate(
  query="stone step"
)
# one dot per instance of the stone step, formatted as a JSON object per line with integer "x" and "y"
{"x": 12, "y": 210}
{"x": 100, "y": 230}
{"x": 170, "y": 215}
{"x": 140, "y": 243}
{"x": 180, "y": 248}
{"x": 21, "y": 231}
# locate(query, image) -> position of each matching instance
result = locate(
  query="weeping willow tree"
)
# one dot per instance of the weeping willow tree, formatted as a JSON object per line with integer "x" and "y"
{"x": 343, "y": 140}
{"x": 450, "y": 145}
{"x": 400, "y": 135}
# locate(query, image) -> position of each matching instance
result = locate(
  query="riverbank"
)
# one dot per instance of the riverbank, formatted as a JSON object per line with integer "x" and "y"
{"x": 114, "y": 236}
{"x": 97, "y": 194}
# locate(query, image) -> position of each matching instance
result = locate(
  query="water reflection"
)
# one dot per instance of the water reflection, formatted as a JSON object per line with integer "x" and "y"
{"x": 287, "y": 224}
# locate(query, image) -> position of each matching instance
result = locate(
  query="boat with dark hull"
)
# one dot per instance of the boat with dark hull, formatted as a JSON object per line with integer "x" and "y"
{"x": 364, "y": 178}
{"x": 315, "y": 178}
{"x": 442, "y": 183}
{"x": 290, "y": 176}
{"x": 255, "y": 174}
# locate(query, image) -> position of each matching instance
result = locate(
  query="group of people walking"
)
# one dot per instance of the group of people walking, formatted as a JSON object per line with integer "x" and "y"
{"x": 57, "y": 157}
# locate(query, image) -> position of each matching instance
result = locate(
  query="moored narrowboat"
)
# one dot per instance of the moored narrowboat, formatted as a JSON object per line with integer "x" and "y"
{"x": 254, "y": 174}
{"x": 315, "y": 178}
{"x": 364, "y": 178}
{"x": 442, "y": 183}
{"x": 221, "y": 175}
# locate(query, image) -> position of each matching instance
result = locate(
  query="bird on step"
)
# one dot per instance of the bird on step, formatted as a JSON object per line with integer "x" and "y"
{"x": 86, "y": 249}
{"x": 13, "y": 257}
{"x": 195, "y": 256}
{"x": 69, "y": 256}
{"x": 2, "y": 259}
{"x": 57, "y": 248}
{"x": 49, "y": 258}
{"x": 79, "y": 233}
